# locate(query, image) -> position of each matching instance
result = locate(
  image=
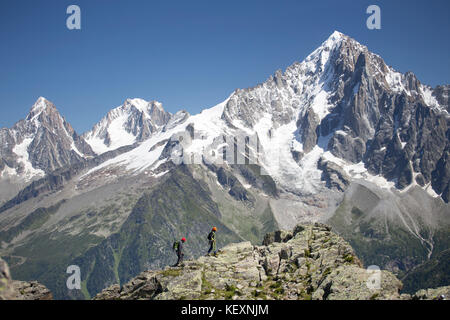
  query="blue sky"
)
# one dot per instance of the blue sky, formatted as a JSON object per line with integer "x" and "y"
{"x": 192, "y": 54}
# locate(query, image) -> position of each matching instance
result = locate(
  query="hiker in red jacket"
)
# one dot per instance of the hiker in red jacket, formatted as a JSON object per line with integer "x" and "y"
{"x": 178, "y": 247}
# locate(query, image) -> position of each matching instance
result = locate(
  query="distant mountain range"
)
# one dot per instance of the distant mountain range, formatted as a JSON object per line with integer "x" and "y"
{"x": 340, "y": 137}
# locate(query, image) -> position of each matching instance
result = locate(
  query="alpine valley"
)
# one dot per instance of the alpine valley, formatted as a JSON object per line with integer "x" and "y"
{"x": 341, "y": 138}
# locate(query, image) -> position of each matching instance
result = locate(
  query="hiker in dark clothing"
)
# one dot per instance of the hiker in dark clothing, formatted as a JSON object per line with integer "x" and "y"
{"x": 212, "y": 241}
{"x": 178, "y": 247}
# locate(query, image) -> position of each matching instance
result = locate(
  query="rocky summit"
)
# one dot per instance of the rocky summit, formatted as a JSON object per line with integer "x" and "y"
{"x": 310, "y": 262}
{"x": 20, "y": 290}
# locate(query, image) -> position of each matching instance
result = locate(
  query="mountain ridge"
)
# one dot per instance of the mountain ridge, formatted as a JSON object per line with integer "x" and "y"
{"x": 137, "y": 127}
{"x": 307, "y": 263}
{"x": 137, "y": 119}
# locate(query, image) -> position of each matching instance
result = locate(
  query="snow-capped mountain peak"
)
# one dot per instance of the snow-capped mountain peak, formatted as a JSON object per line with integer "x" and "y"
{"x": 320, "y": 113}
{"x": 134, "y": 121}
{"x": 41, "y": 105}
{"x": 338, "y": 109}
{"x": 39, "y": 144}
{"x": 333, "y": 40}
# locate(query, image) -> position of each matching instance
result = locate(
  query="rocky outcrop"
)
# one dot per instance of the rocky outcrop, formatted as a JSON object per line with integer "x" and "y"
{"x": 442, "y": 293}
{"x": 333, "y": 175}
{"x": 20, "y": 290}
{"x": 309, "y": 124}
{"x": 343, "y": 145}
{"x": 310, "y": 262}
{"x": 232, "y": 184}
{"x": 441, "y": 93}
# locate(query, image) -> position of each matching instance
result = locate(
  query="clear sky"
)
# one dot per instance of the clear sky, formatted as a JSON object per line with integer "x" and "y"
{"x": 192, "y": 54}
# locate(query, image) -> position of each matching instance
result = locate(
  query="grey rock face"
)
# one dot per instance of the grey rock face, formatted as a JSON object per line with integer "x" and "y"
{"x": 178, "y": 118}
{"x": 394, "y": 132}
{"x": 335, "y": 177}
{"x": 236, "y": 189}
{"x": 277, "y": 236}
{"x": 441, "y": 93}
{"x": 412, "y": 138}
{"x": 158, "y": 116}
{"x": 309, "y": 125}
{"x": 442, "y": 293}
{"x": 344, "y": 146}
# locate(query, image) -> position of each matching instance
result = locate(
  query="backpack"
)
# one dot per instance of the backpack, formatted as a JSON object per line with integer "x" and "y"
{"x": 175, "y": 245}
{"x": 210, "y": 236}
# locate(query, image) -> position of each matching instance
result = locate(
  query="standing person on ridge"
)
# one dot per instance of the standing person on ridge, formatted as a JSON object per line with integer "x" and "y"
{"x": 212, "y": 241}
{"x": 178, "y": 247}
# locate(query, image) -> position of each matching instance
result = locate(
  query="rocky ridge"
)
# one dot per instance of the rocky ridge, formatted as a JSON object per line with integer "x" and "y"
{"x": 310, "y": 262}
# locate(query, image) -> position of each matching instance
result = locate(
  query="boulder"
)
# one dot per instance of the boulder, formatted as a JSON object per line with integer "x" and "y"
{"x": 20, "y": 290}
